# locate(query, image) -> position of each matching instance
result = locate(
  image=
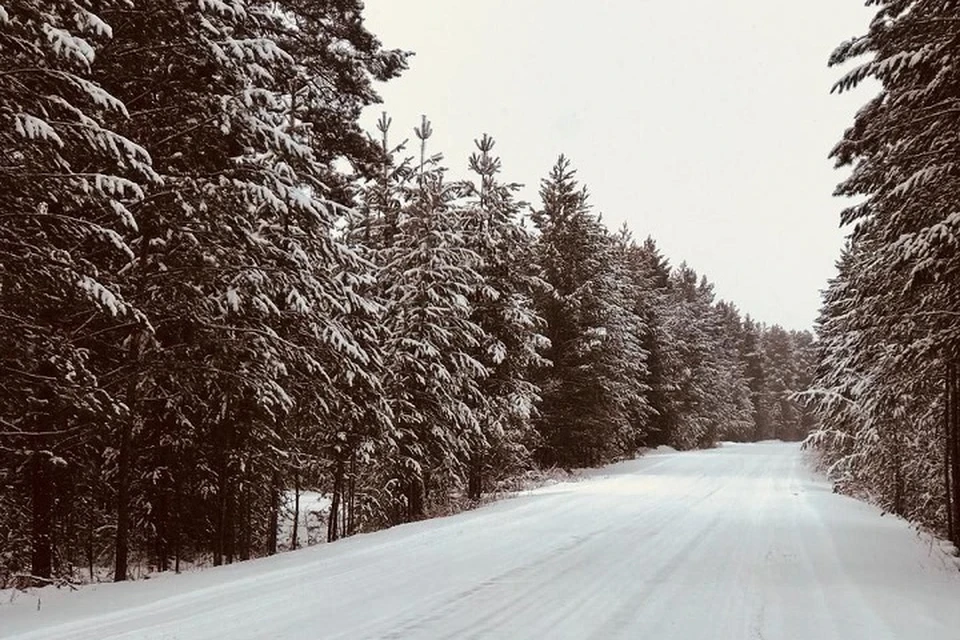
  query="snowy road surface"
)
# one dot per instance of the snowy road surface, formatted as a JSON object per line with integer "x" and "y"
{"x": 738, "y": 543}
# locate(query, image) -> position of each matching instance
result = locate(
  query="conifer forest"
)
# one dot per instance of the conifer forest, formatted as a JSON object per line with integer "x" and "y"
{"x": 886, "y": 385}
{"x": 218, "y": 290}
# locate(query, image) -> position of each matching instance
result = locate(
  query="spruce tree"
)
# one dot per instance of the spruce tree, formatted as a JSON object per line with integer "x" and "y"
{"x": 595, "y": 389}
{"x": 886, "y": 378}
{"x": 66, "y": 182}
{"x": 430, "y": 276}
{"x": 503, "y": 308}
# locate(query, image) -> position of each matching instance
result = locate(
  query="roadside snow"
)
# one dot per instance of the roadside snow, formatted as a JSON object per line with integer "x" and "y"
{"x": 733, "y": 543}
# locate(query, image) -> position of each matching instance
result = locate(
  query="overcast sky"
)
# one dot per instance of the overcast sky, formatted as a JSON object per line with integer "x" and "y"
{"x": 704, "y": 123}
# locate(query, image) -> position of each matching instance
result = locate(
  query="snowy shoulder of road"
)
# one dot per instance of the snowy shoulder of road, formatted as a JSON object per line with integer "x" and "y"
{"x": 739, "y": 542}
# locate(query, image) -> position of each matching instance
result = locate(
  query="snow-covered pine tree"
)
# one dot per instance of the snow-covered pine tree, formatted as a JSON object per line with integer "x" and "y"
{"x": 371, "y": 229}
{"x": 708, "y": 396}
{"x": 739, "y": 424}
{"x": 658, "y": 343}
{"x": 805, "y": 364}
{"x": 503, "y": 308}
{"x": 880, "y": 425}
{"x": 66, "y": 180}
{"x": 687, "y": 322}
{"x": 780, "y": 383}
{"x": 889, "y": 336}
{"x": 337, "y": 60}
{"x": 238, "y": 268}
{"x": 638, "y": 300}
{"x": 751, "y": 355}
{"x": 429, "y": 275}
{"x": 596, "y": 385}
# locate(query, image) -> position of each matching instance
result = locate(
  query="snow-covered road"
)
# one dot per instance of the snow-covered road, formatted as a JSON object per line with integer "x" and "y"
{"x": 736, "y": 543}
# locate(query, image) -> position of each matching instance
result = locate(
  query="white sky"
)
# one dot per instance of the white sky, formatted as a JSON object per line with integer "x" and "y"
{"x": 704, "y": 123}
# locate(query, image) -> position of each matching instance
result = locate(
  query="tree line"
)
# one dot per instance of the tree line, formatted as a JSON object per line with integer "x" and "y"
{"x": 886, "y": 386}
{"x": 215, "y": 288}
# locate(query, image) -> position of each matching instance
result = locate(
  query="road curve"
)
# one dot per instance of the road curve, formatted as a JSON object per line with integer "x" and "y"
{"x": 737, "y": 543}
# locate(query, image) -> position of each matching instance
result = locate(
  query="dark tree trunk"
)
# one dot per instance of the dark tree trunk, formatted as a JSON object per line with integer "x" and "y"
{"x": 415, "y": 499}
{"x": 91, "y": 554}
{"x": 218, "y": 543}
{"x": 223, "y": 544}
{"x": 122, "y": 542}
{"x": 475, "y": 478}
{"x": 954, "y": 431}
{"x": 352, "y": 497}
{"x": 41, "y": 560}
{"x": 274, "y": 520}
{"x": 243, "y": 525}
{"x": 294, "y": 537}
{"x": 219, "y": 533}
{"x": 161, "y": 524}
{"x": 333, "y": 521}
{"x": 948, "y": 436}
{"x": 175, "y": 518}
{"x": 230, "y": 529}
{"x": 175, "y": 534}
{"x": 161, "y": 546}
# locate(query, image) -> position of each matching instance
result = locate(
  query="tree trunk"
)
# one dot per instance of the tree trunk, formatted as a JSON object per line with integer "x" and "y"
{"x": 161, "y": 547}
{"x": 333, "y": 521}
{"x": 948, "y": 436}
{"x": 351, "y": 497}
{"x": 90, "y": 543}
{"x": 161, "y": 521}
{"x": 475, "y": 478}
{"x": 415, "y": 510}
{"x": 274, "y": 520}
{"x": 176, "y": 523}
{"x": 41, "y": 560}
{"x": 294, "y": 541}
{"x": 243, "y": 525}
{"x": 954, "y": 412}
{"x": 222, "y": 548}
{"x": 230, "y": 528}
{"x": 121, "y": 542}
{"x": 218, "y": 543}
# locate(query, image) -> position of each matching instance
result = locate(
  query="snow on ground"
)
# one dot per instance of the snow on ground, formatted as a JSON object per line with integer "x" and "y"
{"x": 734, "y": 543}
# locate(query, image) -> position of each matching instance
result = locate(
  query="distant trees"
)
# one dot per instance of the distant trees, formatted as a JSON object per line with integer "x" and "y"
{"x": 202, "y": 312}
{"x": 642, "y": 354}
{"x": 886, "y": 374}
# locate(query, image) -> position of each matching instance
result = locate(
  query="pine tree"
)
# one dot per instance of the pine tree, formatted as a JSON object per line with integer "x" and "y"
{"x": 430, "y": 276}
{"x": 889, "y": 342}
{"x": 595, "y": 390}
{"x": 66, "y": 181}
{"x": 777, "y": 350}
{"x": 658, "y": 344}
{"x": 503, "y": 309}
{"x": 751, "y": 355}
{"x": 687, "y": 324}
{"x": 216, "y": 343}
{"x": 739, "y": 422}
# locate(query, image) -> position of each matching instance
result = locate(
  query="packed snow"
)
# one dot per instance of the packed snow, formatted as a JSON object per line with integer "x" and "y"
{"x": 733, "y": 543}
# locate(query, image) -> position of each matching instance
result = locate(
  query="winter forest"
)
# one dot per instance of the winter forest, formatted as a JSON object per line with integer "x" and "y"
{"x": 886, "y": 385}
{"x": 217, "y": 292}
